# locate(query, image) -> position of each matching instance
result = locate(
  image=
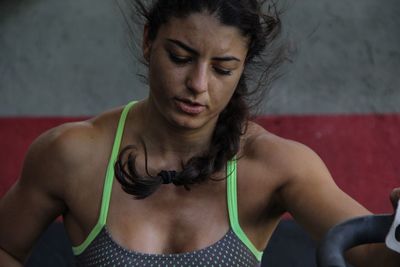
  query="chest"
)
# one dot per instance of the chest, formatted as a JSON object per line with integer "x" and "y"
{"x": 172, "y": 220}
{"x": 228, "y": 251}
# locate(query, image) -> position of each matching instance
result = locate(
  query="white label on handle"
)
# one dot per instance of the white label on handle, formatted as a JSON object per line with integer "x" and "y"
{"x": 393, "y": 237}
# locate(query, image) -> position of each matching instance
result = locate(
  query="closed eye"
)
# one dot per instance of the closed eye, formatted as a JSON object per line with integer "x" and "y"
{"x": 179, "y": 60}
{"x": 184, "y": 60}
{"x": 222, "y": 71}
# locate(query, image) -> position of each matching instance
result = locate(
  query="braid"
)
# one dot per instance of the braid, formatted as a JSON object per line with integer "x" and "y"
{"x": 224, "y": 146}
{"x": 262, "y": 28}
{"x": 225, "y": 141}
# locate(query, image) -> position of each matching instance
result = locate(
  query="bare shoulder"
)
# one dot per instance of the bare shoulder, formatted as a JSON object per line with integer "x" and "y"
{"x": 52, "y": 181}
{"x": 270, "y": 168}
{"x": 60, "y": 153}
{"x": 54, "y": 153}
{"x": 287, "y": 157}
{"x": 306, "y": 187}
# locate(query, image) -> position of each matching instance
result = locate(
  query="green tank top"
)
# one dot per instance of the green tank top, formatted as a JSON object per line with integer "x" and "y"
{"x": 99, "y": 249}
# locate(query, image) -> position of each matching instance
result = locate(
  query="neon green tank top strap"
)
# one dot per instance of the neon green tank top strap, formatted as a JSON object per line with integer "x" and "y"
{"x": 233, "y": 210}
{"x": 107, "y": 183}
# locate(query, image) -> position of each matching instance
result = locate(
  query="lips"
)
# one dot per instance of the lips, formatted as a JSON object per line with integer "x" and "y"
{"x": 189, "y": 107}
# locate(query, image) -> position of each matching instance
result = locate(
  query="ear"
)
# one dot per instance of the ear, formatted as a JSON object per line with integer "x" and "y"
{"x": 146, "y": 44}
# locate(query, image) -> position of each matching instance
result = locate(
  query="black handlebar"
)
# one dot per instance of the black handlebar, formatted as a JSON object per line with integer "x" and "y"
{"x": 351, "y": 233}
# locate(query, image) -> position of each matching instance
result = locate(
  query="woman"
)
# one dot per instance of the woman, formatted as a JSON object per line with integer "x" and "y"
{"x": 196, "y": 182}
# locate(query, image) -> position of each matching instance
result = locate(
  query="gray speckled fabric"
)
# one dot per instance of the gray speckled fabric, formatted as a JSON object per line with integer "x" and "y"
{"x": 228, "y": 251}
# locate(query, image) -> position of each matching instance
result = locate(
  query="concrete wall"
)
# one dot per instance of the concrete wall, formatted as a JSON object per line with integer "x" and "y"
{"x": 71, "y": 58}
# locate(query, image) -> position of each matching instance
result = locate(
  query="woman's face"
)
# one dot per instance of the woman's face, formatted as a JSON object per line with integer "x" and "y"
{"x": 195, "y": 64}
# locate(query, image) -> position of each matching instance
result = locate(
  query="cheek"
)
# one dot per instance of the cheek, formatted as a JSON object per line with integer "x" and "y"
{"x": 162, "y": 88}
{"x": 223, "y": 93}
{"x": 164, "y": 79}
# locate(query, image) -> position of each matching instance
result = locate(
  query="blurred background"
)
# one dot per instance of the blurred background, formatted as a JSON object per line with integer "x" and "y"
{"x": 339, "y": 93}
{"x": 72, "y": 58}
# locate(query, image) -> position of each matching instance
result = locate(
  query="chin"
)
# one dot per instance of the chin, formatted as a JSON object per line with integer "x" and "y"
{"x": 190, "y": 122}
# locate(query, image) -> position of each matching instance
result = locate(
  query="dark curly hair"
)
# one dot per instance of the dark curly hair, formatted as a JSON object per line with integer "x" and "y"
{"x": 258, "y": 21}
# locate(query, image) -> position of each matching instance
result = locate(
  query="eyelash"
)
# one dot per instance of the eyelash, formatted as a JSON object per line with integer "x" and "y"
{"x": 179, "y": 60}
{"x": 183, "y": 60}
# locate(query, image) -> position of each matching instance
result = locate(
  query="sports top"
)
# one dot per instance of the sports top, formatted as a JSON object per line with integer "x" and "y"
{"x": 99, "y": 248}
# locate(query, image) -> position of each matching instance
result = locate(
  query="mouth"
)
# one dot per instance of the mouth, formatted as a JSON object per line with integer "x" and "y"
{"x": 189, "y": 107}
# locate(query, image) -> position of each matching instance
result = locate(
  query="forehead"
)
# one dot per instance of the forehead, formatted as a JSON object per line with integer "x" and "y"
{"x": 205, "y": 33}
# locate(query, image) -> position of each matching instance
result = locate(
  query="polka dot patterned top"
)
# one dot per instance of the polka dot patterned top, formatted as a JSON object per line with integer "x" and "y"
{"x": 99, "y": 248}
{"x": 229, "y": 251}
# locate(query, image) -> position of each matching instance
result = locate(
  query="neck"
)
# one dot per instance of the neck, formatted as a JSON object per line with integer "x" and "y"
{"x": 167, "y": 141}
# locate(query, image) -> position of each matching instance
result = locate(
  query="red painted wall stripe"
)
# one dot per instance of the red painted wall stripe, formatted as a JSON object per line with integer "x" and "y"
{"x": 361, "y": 151}
{"x": 16, "y": 134}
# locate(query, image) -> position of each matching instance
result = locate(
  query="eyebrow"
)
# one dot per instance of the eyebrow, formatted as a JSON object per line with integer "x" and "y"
{"x": 193, "y": 51}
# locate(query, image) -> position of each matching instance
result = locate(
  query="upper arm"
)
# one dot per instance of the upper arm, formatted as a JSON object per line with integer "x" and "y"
{"x": 38, "y": 197}
{"x": 311, "y": 195}
{"x": 317, "y": 203}
{"x": 302, "y": 185}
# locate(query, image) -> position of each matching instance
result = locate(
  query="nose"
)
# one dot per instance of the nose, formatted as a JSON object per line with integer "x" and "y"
{"x": 197, "y": 80}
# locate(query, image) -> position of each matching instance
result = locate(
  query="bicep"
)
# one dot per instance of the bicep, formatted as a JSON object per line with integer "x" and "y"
{"x": 33, "y": 202}
{"x": 317, "y": 203}
{"x": 313, "y": 198}
{"x": 24, "y": 215}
